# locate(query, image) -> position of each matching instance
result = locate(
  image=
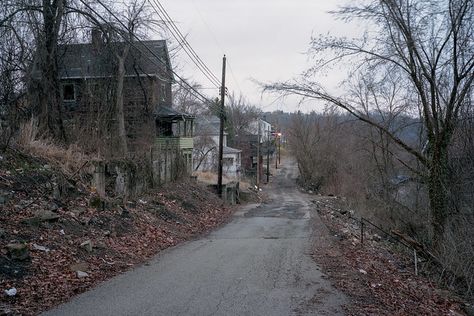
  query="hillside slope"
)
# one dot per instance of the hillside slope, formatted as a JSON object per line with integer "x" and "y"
{"x": 58, "y": 238}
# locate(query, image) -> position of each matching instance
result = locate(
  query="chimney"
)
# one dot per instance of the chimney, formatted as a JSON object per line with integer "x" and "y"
{"x": 96, "y": 37}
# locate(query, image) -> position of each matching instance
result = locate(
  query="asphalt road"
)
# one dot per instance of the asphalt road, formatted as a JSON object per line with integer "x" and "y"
{"x": 258, "y": 264}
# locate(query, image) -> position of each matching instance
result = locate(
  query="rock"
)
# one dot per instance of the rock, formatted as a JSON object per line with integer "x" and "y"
{"x": 47, "y": 216}
{"x": 100, "y": 245}
{"x": 18, "y": 251}
{"x": 32, "y": 221}
{"x": 11, "y": 292}
{"x": 56, "y": 192}
{"x": 80, "y": 266}
{"x": 40, "y": 248}
{"x": 78, "y": 211}
{"x": 362, "y": 271}
{"x": 41, "y": 216}
{"x": 87, "y": 245}
{"x": 81, "y": 274}
{"x": 85, "y": 221}
{"x": 47, "y": 167}
{"x": 53, "y": 207}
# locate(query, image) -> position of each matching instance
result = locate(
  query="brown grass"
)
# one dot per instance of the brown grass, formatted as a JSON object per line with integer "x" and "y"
{"x": 67, "y": 159}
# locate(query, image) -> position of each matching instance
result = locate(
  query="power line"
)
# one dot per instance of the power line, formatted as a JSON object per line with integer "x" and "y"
{"x": 234, "y": 77}
{"x": 187, "y": 44}
{"x": 176, "y": 33}
{"x": 218, "y": 44}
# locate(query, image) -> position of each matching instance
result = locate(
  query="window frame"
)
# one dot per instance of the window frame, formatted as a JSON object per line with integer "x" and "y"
{"x": 163, "y": 92}
{"x": 74, "y": 94}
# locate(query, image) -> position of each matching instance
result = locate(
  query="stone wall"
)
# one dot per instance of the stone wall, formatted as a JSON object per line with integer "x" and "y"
{"x": 128, "y": 178}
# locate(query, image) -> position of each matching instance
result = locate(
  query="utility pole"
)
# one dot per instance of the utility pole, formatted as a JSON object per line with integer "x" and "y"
{"x": 275, "y": 153}
{"x": 258, "y": 154}
{"x": 268, "y": 156}
{"x": 221, "y": 131}
{"x": 279, "y": 148}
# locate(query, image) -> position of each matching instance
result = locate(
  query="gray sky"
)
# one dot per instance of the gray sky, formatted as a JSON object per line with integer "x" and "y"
{"x": 263, "y": 39}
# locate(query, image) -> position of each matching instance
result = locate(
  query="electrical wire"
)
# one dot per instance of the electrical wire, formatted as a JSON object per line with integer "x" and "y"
{"x": 187, "y": 44}
{"x": 218, "y": 45}
{"x": 186, "y": 85}
{"x": 180, "y": 38}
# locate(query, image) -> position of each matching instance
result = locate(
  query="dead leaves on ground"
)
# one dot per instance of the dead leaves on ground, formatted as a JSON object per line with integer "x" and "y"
{"x": 114, "y": 236}
{"x": 378, "y": 280}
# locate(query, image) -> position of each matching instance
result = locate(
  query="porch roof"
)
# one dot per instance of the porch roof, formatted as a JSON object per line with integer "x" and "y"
{"x": 169, "y": 114}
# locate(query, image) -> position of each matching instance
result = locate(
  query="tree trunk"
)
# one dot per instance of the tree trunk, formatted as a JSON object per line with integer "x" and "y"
{"x": 119, "y": 106}
{"x": 48, "y": 93}
{"x": 438, "y": 195}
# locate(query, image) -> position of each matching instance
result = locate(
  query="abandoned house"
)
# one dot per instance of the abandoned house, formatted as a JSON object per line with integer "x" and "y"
{"x": 89, "y": 87}
{"x": 98, "y": 101}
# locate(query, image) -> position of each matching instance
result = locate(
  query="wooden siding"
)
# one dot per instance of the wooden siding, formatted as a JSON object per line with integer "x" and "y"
{"x": 174, "y": 142}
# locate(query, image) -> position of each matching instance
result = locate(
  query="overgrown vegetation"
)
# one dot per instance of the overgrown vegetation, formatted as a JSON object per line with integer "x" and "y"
{"x": 414, "y": 63}
{"x": 339, "y": 155}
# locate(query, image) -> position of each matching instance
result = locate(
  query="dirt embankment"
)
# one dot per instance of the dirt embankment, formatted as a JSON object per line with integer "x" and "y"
{"x": 55, "y": 247}
{"x": 378, "y": 278}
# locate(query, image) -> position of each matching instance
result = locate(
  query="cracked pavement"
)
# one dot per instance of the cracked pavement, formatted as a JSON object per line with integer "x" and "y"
{"x": 257, "y": 264}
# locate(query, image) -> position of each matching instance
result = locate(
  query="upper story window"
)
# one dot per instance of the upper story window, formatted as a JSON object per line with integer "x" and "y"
{"x": 163, "y": 92}
{"x": 69, "y": 92}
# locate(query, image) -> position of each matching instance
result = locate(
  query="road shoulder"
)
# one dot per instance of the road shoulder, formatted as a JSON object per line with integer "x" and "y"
{"x": 377, "y": 280}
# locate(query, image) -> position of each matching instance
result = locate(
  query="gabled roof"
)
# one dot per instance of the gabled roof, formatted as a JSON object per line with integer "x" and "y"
{"x": 230, "y": 150}
{"x": 98, "y": 61}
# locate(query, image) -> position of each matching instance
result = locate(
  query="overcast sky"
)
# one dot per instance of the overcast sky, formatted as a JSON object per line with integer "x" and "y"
{"x": 264, "y": 40}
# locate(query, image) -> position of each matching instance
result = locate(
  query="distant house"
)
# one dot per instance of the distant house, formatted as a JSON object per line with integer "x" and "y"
{"x": 207, "y": 149}
{"x": 265, "y": 129}
{"x": 248, "y": 141}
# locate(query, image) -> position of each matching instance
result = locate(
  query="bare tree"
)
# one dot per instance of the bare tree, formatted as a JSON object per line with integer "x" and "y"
{"x": 239, "y": 115}
{"x": 430, "y": 45}
{"x": 47, "y": 24}
{"x": 135, "y": 20}
{"x": 186, "y": 101}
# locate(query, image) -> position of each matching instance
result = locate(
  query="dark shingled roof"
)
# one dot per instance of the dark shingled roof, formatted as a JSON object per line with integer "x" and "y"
{"x": 98, "y": 61}
{"x": 165, "y": 112}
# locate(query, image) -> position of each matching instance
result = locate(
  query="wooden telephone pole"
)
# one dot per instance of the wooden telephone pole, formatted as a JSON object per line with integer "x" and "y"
{"x": 258, "y": 154}
{"x": 268, "y": 156}
{"x": 221, "y": 131}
